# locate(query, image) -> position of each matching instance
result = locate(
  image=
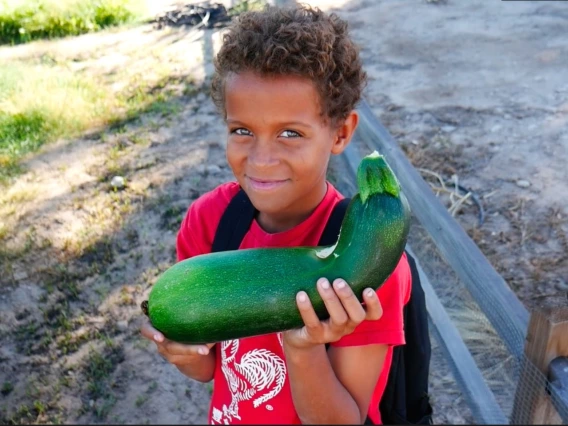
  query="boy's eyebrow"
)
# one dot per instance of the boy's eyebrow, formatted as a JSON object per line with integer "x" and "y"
{"x": 297, "y": 123}
{"x": 287, "y": 123}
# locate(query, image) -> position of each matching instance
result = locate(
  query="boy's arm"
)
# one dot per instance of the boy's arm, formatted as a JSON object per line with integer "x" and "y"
{"x": 318, "y": 393}
{"x": 335, "y": 386}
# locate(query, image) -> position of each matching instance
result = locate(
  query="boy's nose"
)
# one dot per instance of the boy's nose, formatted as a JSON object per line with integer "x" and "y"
{"x": 263, "y": 154}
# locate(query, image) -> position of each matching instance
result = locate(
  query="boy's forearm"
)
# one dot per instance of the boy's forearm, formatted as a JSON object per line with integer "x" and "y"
{"x": 319, "y": 397}
{"x": 202, "y": 370}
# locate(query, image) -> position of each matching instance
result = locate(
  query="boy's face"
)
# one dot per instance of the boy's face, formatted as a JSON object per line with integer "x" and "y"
{"x": 278, "y": 146}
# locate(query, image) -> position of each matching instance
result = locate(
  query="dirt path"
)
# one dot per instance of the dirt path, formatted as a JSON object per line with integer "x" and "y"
{"x": 469, "y": 88}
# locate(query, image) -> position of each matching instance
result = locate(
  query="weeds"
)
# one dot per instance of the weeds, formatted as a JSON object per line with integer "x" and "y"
{"x": 141, "y": 400}
{"x": 22, "y": 413}
{"x": 59, "y": 277}
{"x": 3, "y": 231}
{"x": 245, "y": 6}
{"x": 39, "y": 407}
{"x": 7, "y": 387}
{"x": 171, "y": 218}
{"x": 25, "y": 336}
{"x": 40, "y": 103}
{"x": 126, "y": 297}
{"x": 26, "y": 20}
{"x": 98, "y": 369}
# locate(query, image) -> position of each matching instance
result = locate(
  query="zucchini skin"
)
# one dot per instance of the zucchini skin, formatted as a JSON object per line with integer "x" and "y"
{"x": 242, "y": 293}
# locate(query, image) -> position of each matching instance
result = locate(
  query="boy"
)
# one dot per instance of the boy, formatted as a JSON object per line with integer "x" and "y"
{"x": 286, "y": 82}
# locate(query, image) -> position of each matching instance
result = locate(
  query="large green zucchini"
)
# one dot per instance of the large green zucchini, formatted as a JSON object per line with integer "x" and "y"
{"x": 241, "y": 293}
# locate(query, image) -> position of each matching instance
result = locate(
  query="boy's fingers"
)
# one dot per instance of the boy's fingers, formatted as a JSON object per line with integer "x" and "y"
{"x": 168, "y": 347}
{"x": 179, "y": 349}
{"x": 311, "y": 320}
{"x": 180, "y": 360}
{"x": 337, "y": 314}
{"x": 374, "y": 309}
{"x": 350, "y": 304}
{"x": 151, "y": 333}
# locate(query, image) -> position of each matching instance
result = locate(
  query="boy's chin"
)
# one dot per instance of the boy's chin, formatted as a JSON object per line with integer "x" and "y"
{"x": 267, "y": 204}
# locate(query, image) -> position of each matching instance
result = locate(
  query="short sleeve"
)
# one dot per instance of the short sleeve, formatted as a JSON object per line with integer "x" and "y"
{"x": 389, "y": 329}
{"x": 197, "y": 229}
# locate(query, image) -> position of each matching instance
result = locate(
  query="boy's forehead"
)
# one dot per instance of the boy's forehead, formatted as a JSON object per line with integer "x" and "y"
{"x": 252, "y": 88}
{"x": 251, "y": 80}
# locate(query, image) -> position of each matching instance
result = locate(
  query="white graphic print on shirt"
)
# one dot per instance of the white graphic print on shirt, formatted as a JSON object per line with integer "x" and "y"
{"x": 258, "y": 374}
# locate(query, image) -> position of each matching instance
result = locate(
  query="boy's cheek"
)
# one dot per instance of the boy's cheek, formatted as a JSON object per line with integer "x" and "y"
{"x": 235, "y": 158}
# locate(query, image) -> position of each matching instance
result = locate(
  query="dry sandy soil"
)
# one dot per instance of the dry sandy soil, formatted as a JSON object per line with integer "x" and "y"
{"x": 468, "y": 88}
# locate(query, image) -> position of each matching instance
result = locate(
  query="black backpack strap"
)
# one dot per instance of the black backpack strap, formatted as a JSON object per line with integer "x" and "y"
{"x": 405, "y": 399}
{"x": 419, "y": 408}
{"x": 234, "y": 223}
{"x": 331, "y": 230}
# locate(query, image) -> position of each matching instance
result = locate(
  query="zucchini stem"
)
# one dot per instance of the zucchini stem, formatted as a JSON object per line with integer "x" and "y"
{"x": 374, "y": 176}
{"x": 144, "y": 307}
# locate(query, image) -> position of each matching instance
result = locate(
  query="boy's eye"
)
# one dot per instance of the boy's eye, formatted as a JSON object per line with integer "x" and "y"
{"x": 241, "y": 132}
{"x": 290, "y": 134}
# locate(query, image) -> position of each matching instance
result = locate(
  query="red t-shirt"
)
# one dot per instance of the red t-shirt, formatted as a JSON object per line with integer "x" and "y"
{"x": 251, "y": 382}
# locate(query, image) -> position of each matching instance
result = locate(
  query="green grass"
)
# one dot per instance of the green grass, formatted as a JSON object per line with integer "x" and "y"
{"x": 22, "y": 21}
{"x": 40, "y": 103}
{"x": 7, "y": 387}
{"x": 98, "y": 370}
{"x": 245, "y": 6}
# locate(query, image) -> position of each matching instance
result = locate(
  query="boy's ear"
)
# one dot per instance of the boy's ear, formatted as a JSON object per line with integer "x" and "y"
{"x": 344, "y": 133}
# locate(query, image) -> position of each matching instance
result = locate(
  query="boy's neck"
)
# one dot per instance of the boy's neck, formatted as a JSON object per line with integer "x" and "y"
{"x": 286, "y": 220}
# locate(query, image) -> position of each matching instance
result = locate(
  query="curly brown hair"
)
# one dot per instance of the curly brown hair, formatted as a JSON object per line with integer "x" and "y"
{"x": 302, "y": 41}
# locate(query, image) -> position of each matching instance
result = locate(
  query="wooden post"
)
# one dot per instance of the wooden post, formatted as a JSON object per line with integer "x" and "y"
{"x": 558, "y": 386}
{"x": 547, "y": 339}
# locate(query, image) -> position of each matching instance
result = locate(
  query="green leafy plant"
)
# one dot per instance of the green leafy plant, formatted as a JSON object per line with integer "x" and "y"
{"x": 26, "y": 20}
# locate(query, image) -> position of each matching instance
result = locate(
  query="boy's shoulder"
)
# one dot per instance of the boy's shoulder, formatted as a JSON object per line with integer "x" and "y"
{"x": 198, "y": 227}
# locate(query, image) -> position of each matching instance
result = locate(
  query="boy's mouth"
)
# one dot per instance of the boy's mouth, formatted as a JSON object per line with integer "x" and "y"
{"x": 265, "y": 184}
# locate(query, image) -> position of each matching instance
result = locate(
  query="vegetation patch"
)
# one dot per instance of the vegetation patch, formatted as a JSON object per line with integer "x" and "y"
{"x": 22, "y": 21}
{"x": 98, "y": 369}
{"x": 42, "y": 101}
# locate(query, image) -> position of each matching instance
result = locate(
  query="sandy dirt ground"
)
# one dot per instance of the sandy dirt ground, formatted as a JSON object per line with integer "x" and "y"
{"x": 471, "y": 90}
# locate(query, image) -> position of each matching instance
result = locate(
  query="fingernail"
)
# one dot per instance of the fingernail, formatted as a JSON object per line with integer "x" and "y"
{"x": 340, "y": 284}
{"x": 302, "y": 297}
{"x": 324, "y": 283}
{"x": 202, "y": 351}
{"x": 157, "y": 338}
{"x": 369, "y": 292}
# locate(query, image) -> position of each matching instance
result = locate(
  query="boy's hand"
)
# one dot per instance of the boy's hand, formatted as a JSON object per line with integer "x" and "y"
{"x": 176, "y": 353}
{"x": 345, "y": 310}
